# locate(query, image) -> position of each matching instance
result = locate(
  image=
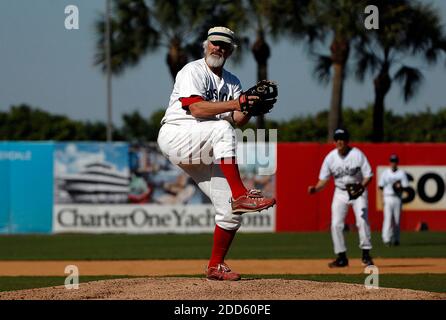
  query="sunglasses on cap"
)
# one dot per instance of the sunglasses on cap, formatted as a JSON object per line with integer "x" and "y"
{"x": 221, "y": 44}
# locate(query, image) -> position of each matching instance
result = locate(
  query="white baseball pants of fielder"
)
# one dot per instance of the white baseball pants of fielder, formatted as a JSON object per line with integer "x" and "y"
{"x": 194, "y": 146}
{"x": 339, "y": 210}
{"x": 392, "y": 213}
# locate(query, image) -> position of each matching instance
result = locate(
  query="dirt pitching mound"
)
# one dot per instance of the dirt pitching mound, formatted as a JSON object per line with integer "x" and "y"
{"x": 201, "y": 289}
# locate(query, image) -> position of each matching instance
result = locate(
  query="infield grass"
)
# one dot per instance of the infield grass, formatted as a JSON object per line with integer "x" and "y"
{"x": 315, "y": 245}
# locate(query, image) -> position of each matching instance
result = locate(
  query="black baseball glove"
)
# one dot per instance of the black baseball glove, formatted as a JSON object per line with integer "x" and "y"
{"x": 354, "y": 190}
{"x": 397, "y": 188}
{"x": 266, "y": 91}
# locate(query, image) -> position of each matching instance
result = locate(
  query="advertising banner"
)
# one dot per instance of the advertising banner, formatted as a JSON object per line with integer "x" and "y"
{"x": 92, "y": 173}
{"x": 426, "y": 190}
{"x": 26, "y": 188}
{"x": 121, "y": 188}
{"x": 151, "y": 218}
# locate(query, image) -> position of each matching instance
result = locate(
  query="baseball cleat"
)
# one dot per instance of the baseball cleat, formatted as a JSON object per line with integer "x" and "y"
{"x": 367, "y": 261}
{"x": 252, "y": 201}
{"x": 339, "y": 263}
{"x": 222, "y": 273}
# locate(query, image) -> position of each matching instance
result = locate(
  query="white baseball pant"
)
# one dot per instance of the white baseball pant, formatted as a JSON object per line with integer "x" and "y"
{"x": 392, "y": 213}
{"x": 194, "y": 146}
{"x": 339, "y": 210}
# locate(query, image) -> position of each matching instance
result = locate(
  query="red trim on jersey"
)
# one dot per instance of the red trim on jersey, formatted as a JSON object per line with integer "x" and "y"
{"x": 186, "y": 102}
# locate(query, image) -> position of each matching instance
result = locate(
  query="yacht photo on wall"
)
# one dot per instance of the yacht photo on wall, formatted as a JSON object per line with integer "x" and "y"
{"x": 91, "y": 173}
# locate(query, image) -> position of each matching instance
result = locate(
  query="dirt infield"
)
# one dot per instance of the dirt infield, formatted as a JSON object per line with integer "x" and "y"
{"x": 180, "y": 288}
{"x": 200, "y": 289}
{"x": 190, "y": 267}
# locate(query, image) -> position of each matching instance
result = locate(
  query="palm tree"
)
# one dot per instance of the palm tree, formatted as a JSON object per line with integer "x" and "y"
{"x": 266, "y": 17}
{"x": 132, "y": 35}
{"x": 408, "y": 29}
{"x": 257, "y": 14}
{"x": 315, "y": 20}
{"x": 139, "y": 27}
{"x": 342, "y": 20}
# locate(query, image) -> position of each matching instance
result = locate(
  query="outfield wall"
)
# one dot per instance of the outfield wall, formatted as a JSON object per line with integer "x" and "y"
{"x": 51, "y": 187}
{"x": 93, "y": 187}
{"x": 299, "y": 164}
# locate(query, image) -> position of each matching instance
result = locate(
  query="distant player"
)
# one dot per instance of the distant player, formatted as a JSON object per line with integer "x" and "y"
{"x": 197, "y": 134}
{"x": 352, "y": 174}
{"x": 392, "y": 183}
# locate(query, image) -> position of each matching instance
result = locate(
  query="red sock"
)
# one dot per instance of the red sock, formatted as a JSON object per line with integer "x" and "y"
{"x": 222, "y": 242}
{"x": 230, "y": 170}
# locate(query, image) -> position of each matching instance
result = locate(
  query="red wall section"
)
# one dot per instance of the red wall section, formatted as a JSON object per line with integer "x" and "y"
{"x": 299, "y": 165}
{"x": 295, "y": 169}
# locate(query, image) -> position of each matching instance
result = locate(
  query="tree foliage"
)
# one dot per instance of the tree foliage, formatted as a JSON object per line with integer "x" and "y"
{"x": 408, "y": 29}
{"x": 26, "y": 123}
{"x": 342, "y": 23}
{"x": 425, "y": 126}
{"x": 139, "y": 27}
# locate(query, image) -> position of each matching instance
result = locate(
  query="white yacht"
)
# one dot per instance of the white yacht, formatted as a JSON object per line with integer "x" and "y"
{"x": 97, "y": 183}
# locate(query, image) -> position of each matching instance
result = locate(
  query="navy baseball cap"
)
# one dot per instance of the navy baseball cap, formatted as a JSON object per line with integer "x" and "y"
{"x": 341, "y": 134}
{"x": 394, "y": 158}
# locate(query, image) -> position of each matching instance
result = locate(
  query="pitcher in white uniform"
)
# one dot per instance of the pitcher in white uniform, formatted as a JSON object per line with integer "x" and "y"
{"x": 347, "y": 165}
{"x": 197, "y": 134}
{"x": 391, "y": 183}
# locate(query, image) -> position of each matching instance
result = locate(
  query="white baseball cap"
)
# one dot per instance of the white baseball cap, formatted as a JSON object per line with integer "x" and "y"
{"x": 221, "y": 34}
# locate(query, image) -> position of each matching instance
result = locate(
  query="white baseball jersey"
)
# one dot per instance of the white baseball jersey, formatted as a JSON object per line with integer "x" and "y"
{"x": 196, "y": 79}
{"x": 352, "y": 168}
{"x": 200, "y": 141}
{"x": 389, "y": 177}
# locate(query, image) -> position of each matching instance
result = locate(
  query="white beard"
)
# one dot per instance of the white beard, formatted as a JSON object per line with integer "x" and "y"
{"x": 215, "y": 61}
